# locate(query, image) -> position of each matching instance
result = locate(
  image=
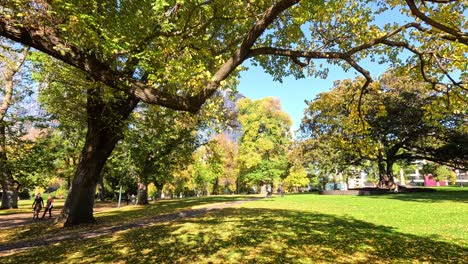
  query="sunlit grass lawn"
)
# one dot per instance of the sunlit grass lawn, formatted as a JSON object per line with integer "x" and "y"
{"x": 307, "y": 228}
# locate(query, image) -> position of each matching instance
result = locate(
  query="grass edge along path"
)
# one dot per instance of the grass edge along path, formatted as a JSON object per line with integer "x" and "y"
{"x": 7, "y": 249}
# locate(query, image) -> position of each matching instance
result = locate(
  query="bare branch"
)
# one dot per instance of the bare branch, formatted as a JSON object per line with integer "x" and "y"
{"x": 433, "y": 32}
{"x": 364, "y": 87}
{"x": 295, "y": 53}
{"x": 440, "y": 1}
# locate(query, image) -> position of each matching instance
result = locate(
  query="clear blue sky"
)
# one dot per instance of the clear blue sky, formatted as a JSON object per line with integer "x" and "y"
{"x": 256, "y": 84}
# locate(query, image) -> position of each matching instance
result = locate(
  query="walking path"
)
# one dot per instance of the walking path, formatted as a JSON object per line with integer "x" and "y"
{"x": 13, "y": 220}
{"x": 14, "y": 247}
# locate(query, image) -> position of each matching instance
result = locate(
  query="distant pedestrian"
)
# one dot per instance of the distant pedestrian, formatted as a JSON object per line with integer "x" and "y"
{"x": 37, "y": 206}
{"x": 268, "y": 190}
{"x": 281, "y": 190}
{"x": 49, "y": 206}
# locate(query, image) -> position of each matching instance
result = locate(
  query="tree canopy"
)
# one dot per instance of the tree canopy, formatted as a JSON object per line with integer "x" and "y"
{"x": 398, "y": 119}
{"x": 177, "y": 53}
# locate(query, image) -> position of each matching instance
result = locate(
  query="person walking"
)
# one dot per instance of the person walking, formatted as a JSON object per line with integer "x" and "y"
{"x": 37, "y": 206}
{"x": 49, "y": 206}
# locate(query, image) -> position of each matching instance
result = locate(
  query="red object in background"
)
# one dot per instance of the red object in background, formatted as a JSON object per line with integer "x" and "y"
{"x": 429, "y": 181}
{"x": 443, "y": 183}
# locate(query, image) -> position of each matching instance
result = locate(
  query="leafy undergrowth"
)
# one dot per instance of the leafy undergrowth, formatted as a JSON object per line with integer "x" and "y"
{"x": 403, "y": 228}
{"x": 127, "y": 214}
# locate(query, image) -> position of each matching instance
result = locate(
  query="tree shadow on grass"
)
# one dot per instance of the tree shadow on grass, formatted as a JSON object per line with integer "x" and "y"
{"x": 240, "y": 235}
{"x": 32, "y": 230}
{"x": 429, "y": 197}
{"x": 163, "y": 206}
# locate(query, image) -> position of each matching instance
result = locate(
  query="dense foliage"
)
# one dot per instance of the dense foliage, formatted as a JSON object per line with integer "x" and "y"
{"x": 397, "y": 120}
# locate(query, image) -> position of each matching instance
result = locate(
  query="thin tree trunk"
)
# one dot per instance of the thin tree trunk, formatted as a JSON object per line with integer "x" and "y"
{"x": 216, "y": 186}
{"x": 105, "y": 125}
{"x": 101, "y": 190}
{"x": 159, "y": 187}
{"x": 15, "y": 194}
{"x": 7, "y": 179}
{"x": 142, "y": 193}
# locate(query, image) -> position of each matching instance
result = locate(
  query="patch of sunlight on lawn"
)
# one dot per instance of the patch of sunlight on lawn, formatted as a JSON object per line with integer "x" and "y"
{"x": 293, "y": 229}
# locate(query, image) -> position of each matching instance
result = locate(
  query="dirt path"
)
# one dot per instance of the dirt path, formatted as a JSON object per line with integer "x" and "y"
{"x": 13, "y": 220}
{"x": 15, "y": 247}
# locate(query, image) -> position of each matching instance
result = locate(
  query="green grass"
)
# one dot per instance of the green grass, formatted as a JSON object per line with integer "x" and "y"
{"x": 308, "y": 228}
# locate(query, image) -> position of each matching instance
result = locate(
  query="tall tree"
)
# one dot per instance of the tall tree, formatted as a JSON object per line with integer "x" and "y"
{"x": 227, "y": 150}
{"x": 105, "y": 115}
{"x": 264, "y": 142}
{"x": 214, "y": 168}
{"x": 398, "y": 119}
{"x": 160, "y": 141}
{"x": 11, "y": 60}
{"x": 63, "y": 97}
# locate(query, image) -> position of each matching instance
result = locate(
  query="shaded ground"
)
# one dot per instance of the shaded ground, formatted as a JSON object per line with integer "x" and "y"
{"x": 22, "y": 219}
{"x": 14, "y": 220}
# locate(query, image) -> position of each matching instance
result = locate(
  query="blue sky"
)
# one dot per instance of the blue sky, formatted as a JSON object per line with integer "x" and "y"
{"x": 256, "y": 84}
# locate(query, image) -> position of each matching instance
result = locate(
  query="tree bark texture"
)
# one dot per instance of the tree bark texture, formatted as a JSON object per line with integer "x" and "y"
{"x": 385, "y": 173}
{"x": 216, "y": 186}
{"x": 142, "y": 195}
{"x": 105, "y": 124}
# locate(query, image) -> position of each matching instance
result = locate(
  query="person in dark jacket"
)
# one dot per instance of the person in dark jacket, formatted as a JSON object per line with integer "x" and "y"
{"x": 37, "y": 206}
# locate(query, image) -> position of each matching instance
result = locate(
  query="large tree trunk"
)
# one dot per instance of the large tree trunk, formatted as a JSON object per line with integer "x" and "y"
{"x": 385, "y": 173}
{"x": 105, "y": 124}
{"x": 8, "y": 191}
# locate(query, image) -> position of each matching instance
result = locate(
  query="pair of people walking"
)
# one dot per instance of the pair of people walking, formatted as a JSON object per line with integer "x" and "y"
{"x": 39, "y": 203}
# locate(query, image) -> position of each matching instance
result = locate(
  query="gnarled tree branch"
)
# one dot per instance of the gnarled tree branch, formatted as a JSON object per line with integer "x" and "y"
{"x": 462, "y": 37}
{"x": 48, "y": 40}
